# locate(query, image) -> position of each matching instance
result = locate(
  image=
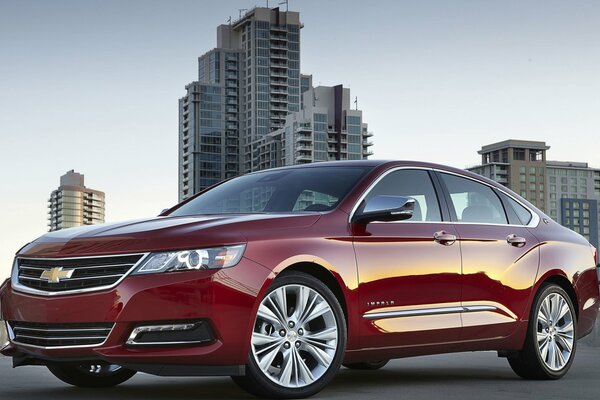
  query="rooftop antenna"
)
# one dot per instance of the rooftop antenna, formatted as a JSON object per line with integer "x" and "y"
{"x": 314, "y": 97}
{"x": 240, "y": 10}
{"x": 229, "y": 20}
{"x": 287, "y": 6}
{"x": 356, "y": 102}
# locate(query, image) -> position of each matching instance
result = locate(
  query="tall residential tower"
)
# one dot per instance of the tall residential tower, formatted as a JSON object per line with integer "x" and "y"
{"x": 72, "y": 204}
{"x": 247, "y": 87}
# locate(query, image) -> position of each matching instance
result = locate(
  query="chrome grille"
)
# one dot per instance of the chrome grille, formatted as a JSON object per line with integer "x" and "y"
{"x": 60, "y": 335}
{"x": 87, "y": 272}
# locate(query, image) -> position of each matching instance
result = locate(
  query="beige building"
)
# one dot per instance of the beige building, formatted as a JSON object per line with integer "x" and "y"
{"x": 72, "y": 204}
{"x": 567, "y": 191}
{"x": 519, "y": 165}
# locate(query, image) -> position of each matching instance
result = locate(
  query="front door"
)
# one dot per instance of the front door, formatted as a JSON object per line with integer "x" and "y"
{"x": 409, "y": 271}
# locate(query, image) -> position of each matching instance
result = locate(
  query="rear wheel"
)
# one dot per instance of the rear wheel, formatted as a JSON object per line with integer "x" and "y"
{"x": 550, "y": 345}
{"x": 298, "y": 340}
{"x": 91, "y": 375}
{"x": 367, "y": 366}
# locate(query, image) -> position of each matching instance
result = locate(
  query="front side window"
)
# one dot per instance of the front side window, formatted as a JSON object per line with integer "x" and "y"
{"x": 412, "y": 183}
{"x": 474, "y": 202}
{"x": 277, "y": 191}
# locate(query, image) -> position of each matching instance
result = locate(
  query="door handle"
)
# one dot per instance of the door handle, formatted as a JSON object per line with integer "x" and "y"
{"x": 515, "y": 240}
{"x": 444, "y": 238}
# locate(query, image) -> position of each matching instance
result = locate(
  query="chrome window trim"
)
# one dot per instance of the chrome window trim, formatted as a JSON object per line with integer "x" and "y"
{"x": 535, "y": 218}
{"x": 11, "y": 337}
{"x": 427, "y": 311}
{"x": 24, "y": 289}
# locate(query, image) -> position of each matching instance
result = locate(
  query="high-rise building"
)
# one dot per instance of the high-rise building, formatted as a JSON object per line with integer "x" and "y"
{"x": 72, "y": 204}
{"x": 325, "y": 129}
{"x": 567, "y": 191}
{"x": 247, "y": 86}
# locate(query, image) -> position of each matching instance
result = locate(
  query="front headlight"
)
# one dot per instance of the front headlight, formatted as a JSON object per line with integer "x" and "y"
{"x": 187, "y": 260}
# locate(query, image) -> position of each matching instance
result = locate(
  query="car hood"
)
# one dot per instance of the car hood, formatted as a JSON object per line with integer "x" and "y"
{"x": 161, "y": 234}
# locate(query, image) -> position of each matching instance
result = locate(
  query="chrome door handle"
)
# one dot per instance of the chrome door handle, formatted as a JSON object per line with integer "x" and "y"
{"x": 516, "y": 241}
{"x": 444, "y": 238}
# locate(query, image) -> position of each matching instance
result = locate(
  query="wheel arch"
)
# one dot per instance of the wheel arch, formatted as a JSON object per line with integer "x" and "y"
{"x": 324, "y": 275}
{"x": 566, "y": 285}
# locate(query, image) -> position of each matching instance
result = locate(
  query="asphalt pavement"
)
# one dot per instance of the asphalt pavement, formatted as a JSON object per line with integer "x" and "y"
{"x": 451, "y": 376}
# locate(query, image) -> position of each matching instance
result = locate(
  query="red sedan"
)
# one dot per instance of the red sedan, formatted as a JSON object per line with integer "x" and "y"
{"x": 279, "y": 277}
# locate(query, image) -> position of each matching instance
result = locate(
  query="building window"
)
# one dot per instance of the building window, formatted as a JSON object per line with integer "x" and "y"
{"x": 536, "y": 155}
{"x": 519, "y": 154}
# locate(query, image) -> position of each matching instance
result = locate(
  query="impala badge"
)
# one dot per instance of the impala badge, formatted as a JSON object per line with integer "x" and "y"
{"x": 54, "y": 275}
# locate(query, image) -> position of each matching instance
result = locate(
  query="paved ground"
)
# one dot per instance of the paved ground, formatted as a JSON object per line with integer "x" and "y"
{"x": 454, "y": 376}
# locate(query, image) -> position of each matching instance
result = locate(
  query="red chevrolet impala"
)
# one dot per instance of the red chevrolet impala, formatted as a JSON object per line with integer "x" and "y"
{"x": 277, "y": 278}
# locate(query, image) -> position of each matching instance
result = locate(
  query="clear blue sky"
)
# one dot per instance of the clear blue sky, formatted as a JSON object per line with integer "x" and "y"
{"x": 93, "y": 85}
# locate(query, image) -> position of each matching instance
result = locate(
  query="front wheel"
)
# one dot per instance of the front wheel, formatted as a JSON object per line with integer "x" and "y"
{"x": 92, "y": 375}
{"x": 550, "y": 345}
{"x": 298, "y": 340}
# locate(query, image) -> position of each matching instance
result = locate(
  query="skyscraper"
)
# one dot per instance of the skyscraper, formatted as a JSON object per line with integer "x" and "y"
{"x": 567, "y": 191}
{"x": 325, "y": 129}
{"x": 72, "y": 204}
{"x": 247, "y": 86}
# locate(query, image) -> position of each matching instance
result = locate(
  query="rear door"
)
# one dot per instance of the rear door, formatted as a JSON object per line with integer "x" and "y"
{"x": 499, "y": 256}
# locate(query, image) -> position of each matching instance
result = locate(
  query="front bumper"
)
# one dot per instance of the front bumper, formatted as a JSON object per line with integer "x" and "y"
{"x": 225, "y": 299}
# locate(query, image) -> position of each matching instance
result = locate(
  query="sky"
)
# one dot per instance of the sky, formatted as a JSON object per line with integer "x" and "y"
{"x": 93, "y": 86}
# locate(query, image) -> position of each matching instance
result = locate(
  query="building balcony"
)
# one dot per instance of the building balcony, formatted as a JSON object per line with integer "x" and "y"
{"x": 303, "y": 157}
{"x": 304, "y": 138}
{"x": 367, "y": 153}
{"x": 367, "y": 134}
{"x": 367, "y": 143}
{"x": 279, "y": 100}
{"x": 278, "y": 56}
{"x": 278, "y": 46}
{"x": 232, "y": 101}
{"x": 279, "y": 91}
{"x": 279, "y": 64}
{"x": 278, "y": 28}
{"x": 231, "y": 93}
{"x": 231, "y": 66}
{"x": 278, "y": 74}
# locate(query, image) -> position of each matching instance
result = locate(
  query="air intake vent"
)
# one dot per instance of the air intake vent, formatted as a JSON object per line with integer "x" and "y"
{"x": 60, "y": 335}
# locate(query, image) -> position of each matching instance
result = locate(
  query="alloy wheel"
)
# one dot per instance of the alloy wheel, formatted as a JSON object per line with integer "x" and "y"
{"x": 555, "y": 332}
{"x": 295, "y": 336}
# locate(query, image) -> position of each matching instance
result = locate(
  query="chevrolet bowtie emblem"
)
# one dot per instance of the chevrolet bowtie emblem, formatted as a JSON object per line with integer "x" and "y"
{"x": 54, "y": 275}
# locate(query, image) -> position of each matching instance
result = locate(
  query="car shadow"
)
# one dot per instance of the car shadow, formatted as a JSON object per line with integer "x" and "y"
{"x": 153, "y": 388}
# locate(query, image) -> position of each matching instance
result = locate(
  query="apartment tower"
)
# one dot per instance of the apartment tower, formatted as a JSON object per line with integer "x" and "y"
{"x": 72, "y": 204}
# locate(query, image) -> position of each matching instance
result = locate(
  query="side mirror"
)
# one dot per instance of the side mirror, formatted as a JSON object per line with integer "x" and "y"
{"x": 385, "y": 208}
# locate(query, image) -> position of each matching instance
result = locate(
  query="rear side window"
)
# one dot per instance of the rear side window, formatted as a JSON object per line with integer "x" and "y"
{"x": 474, "y": 202}
{"x": 412, "y": 183}
{"x": 522, "y": 213}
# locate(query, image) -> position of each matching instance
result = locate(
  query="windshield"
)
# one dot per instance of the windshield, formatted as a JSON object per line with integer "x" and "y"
{"x": 287, "y": 190}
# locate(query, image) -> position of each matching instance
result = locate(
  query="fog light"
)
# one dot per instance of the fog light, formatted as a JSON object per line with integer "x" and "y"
{"x": 171, "y": 334}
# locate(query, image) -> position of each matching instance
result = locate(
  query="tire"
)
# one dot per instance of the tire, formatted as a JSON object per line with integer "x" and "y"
{"x": 552, "y": 356}
{"x": 310, "y": 336}
{"x": 95, "y": 375}
{"x": 367, "y": 366}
